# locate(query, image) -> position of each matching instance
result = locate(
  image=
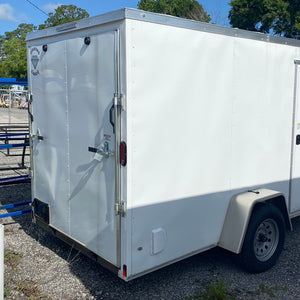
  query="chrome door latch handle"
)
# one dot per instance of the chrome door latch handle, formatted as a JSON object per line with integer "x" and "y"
{"x": 104, "y": 151}
{"x": 37, "y": 136}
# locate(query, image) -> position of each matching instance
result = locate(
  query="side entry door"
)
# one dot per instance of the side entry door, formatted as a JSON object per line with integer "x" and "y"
{"x": 295, "y": 171}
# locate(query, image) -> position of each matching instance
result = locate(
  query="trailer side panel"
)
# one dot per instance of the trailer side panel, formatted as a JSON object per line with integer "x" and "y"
{"x": 209, "y": 116}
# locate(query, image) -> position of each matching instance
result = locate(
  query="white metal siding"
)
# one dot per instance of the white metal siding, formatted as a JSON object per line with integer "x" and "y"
{"x": 73, "y": 94}
{"x": 180, "y": 128}
{"x": 209, "y": 116}
{"x": 50, "y": 156}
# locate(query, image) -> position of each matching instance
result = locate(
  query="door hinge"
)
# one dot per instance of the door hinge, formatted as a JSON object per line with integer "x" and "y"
{"x": 120, "y": 209}
{"x": 119, "y": 100}
{"x": 29, "y": 98}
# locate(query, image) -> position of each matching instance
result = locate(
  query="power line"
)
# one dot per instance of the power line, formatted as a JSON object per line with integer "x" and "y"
{"x": 37, "y": 7}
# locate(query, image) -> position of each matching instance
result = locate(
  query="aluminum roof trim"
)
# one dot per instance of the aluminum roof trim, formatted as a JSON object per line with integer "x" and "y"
{"x": 135, "y": 14}
{"x": 77, "y": 25}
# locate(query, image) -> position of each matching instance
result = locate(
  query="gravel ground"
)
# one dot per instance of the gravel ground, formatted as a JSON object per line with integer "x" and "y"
{"x": 40, "y": 266}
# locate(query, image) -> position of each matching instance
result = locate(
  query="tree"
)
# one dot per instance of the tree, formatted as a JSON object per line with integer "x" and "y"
{"x": 280, "y": 17}
{"x": 13, "y": 58}
{"x": 64, "y": 14}
{"x": 13, "y": 52}
{"x": 21, "y": 31}
{"x": 189, "y": 9}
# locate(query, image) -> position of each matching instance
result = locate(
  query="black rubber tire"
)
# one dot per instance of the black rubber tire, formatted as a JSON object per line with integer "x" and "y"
{"x": 252, "y": 257}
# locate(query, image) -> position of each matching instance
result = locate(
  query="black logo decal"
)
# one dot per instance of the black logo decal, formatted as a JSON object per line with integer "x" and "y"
{"x": 35, "y": 58}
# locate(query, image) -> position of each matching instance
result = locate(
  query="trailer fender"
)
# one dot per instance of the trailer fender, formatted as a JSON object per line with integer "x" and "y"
{"x": 239, "y": 212}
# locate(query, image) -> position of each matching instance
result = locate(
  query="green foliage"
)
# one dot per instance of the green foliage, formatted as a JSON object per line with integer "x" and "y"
{"x": 13, "y": 57}
{"x": 281, "y": 17}
{"x": 6, "y": 293}
{"x": 11, "y": 258}
{"x": 31, "y": 290}
{"x": 269, "y": 291}
{"x": 64, "y": 14}
{"x": 219, "y": 290}
{"x": 13, "y": 52}
{"x": 189, "y": 9}
{"x": 3, "y": 71}
{"x": 14, "y": 64}
{"x": 20, "y": 32}
{"x": 214, "y": 291}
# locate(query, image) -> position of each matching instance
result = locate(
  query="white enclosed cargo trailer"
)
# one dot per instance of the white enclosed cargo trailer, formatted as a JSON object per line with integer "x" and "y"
{"x": 155, "y": 138}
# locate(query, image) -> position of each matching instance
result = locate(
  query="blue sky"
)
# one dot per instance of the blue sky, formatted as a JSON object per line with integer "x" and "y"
{"x": 14, "y": 12}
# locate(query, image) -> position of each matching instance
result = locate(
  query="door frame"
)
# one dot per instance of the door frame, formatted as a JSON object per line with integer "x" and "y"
{"x": 293, "y": 142}
{"x": 117, "y": 102}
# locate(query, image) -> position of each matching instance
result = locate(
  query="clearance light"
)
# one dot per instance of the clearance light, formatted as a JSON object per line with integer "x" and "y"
{"x": 124, "y": 270}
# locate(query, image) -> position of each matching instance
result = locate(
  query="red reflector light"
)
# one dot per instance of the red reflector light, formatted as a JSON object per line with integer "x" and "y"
{"x": 124, "y": 270}
{"x": 123, "y": 154}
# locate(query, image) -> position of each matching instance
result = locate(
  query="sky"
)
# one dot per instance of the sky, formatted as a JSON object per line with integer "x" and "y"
{"x": 14, "y": 12}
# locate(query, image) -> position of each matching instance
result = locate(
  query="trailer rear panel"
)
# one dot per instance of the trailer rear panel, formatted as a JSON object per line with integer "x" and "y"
{"x": 73, "y": 85}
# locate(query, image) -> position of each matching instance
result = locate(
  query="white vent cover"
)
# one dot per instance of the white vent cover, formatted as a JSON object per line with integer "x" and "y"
{"x": 158, "y": 241}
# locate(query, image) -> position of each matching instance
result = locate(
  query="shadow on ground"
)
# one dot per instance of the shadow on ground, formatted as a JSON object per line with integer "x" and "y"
{"x": 173, "y": 282}
{"x": 101, "y": 283}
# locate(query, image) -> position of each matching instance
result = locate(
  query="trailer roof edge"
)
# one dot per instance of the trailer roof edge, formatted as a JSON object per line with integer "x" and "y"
{"x": 135, "y": 14}
{"x": 105, "y": 18}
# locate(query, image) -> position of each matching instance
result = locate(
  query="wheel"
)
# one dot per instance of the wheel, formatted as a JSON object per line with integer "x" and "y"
{"x": 264, "y": 239}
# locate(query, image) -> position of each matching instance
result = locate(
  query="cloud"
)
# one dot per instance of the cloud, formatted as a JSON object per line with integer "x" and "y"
{"x": 6, "y": 12}
{"x": 50, "y": 7}
{"x": 23, "y": 18}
